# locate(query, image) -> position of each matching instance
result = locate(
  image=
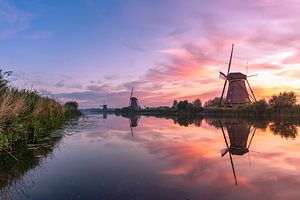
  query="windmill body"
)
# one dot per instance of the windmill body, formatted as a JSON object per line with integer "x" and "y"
{"x": 134, "y": 103}
{"x": 237, "y": 93}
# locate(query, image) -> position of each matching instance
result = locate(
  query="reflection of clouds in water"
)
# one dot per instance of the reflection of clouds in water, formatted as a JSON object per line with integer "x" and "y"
{"x": 187, "y": 160}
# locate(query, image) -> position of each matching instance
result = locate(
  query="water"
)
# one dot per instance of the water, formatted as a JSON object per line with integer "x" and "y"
{"x": 157, "y": 159}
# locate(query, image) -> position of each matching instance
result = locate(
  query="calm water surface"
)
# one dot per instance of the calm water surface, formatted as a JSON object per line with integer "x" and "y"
{"x": 152, "y": 158}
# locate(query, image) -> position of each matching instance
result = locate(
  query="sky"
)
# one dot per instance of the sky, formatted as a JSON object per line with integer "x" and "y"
{"x": 97, "y": 50}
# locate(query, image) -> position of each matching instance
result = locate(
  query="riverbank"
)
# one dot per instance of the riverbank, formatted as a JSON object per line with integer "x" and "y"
{"x": 255, "y": 111}
{"x": 26, "y": 115}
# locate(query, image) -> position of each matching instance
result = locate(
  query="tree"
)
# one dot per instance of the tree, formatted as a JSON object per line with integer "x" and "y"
{"x": 197, "y": 104}
{"x": 4, "y": 78}
{"x": 183, "y": 105}
{"x": 71, "y": 104}
{"x": 284, "y": 99}
{"x": 175, "y": 104}
{"x": 213, "y": 102}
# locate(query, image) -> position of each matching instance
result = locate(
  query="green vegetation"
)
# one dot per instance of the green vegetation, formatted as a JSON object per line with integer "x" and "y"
{"x": 213, "y": 102}
{"x": 178, "y": 108}
{"x": 282, "y": 105}
{"x": 26, "y": 116}
{"x": 71, "y": 110}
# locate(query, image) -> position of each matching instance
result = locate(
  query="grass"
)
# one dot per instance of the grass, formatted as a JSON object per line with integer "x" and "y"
{"x": 26, "y": 115}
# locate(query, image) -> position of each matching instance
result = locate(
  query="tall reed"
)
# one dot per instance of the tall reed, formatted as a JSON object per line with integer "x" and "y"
{"x": 26, "y": 115}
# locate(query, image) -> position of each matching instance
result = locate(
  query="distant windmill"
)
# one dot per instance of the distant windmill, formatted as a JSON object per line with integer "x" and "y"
{"x": 104, "y": 106}
{"x": 238, "y": 138}
{"x": 133, "y": 102}
{"x": 237, "y": 93}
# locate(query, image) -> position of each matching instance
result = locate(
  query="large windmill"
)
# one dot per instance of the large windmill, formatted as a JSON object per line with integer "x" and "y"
{"x": 133, "y": 102}
{"x": 238, "y": 141}
{"x": 237, "y": 93}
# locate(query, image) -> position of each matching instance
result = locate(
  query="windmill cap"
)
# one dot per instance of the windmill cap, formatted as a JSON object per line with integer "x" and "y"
{"x": 133, "y": 98}
{"x": 236, "y": 75}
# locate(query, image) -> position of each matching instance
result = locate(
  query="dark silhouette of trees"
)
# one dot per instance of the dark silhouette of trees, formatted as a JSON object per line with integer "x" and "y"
{"x": 183, "y": 105}
{"x": 197, "y": 104}
{"x": 285, "y": 99}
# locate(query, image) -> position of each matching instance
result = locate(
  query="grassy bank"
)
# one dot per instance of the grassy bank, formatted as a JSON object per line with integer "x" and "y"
{"x": 26, "y": 115}
{"x": 256, "y": 111}
{"x": 281, "y": 106}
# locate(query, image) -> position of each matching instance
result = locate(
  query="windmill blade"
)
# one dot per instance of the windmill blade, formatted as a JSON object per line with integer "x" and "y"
{"x": 225, "y": 139}
{"x": 131, "y": 132}
{"x": 228, "y": 70}
{"x": 222, "y": 76}
{"x": 229, "y": 64}
{"x": 223, "y": 92}
{"x": 139, "y": 118}
{"x": 224, "y": 152}
{"x": 131, "y": 93}
{"x": 252, "y": 75}
{"x": 251, "y": 138}
{"x": 230, "y": 156}
{"x": 249, "y": 158}
{"x": 253, "y": 96}
{"x": 233, "y": 169}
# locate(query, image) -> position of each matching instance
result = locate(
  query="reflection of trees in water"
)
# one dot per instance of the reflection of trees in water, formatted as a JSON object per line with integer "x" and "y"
{"x": 182, "y": 120}
{"x": 187, "y": 120}
{"x": 284, "y": 129}
{"x": 13, "y": 169}
{"x": 213, "y": 122}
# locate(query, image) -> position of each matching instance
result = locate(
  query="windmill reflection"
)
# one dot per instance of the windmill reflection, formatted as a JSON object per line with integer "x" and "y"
{"x": 239, "y": 141}
{"x": 133, "y": 122}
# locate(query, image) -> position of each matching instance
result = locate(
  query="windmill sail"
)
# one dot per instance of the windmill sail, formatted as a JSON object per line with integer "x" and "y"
{"x": 228, "y": 70}
{"x": 222, "y": 76}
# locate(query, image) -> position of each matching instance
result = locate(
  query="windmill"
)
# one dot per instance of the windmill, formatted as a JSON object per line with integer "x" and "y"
{"x": 237, "y": 93}
{"x": 238, "y": 136}
{"x": 133, "y": 102}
